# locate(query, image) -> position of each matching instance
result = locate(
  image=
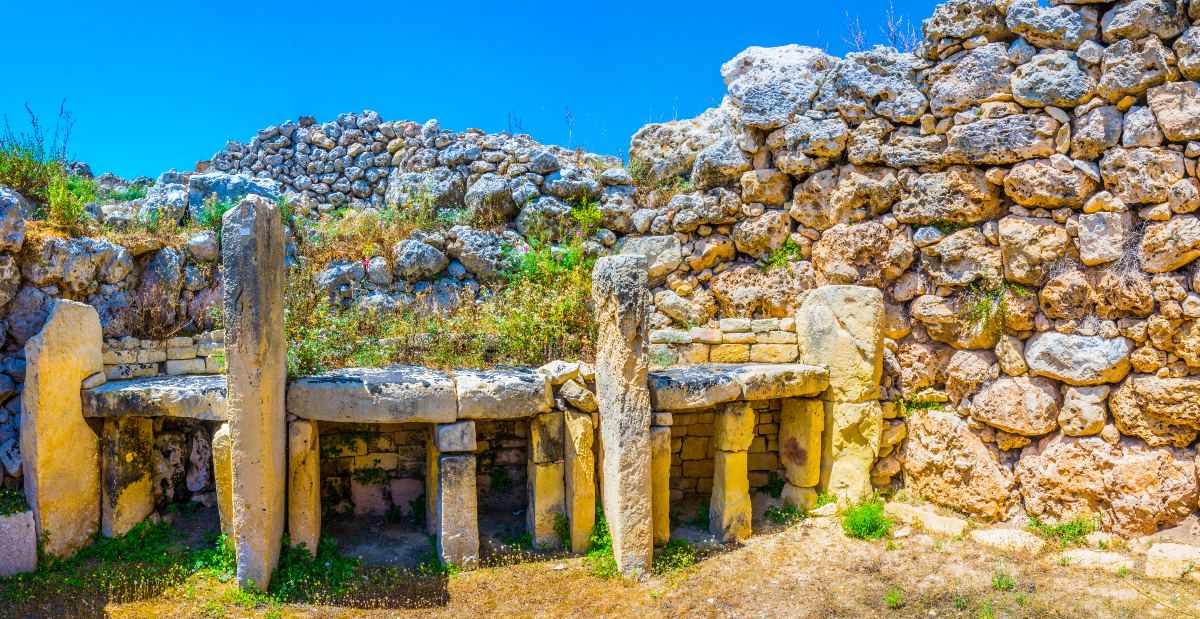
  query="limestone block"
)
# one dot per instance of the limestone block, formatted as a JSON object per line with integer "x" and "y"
{"x": 660, "y": 475}
{"x": 580, "y": 480}
{"x": 729, "y": 353}
{"x": 304, "y": 484}
{"x": 850, "y": 446}
{"x": 431, "y": 487}
{"x": 781, "y": 380}
{"x": 925, "y": 518}
{"x": 1107, "y": 561}
{"x": 547, "y": 495}
{"x": 190, "y": 397}
{"x": 772, "y": 353}
{"x": 729, "y": 511}
{"x": 841, "y": 328}
{"x": 60, "y": 451}
{"x": 800, "y": 497}
{"x": 457, "y": 510}
{"x": 222, "y": 451}
{"x": 578, "y": 396}
{"x": 195, "y": 365}
{"x": 455, "y": 437}
{"x": 619, "y": 291}
{"x": 126, "y": 473}
{"x": 375, "y": 395}
{"x": 1009, "y": 540}
{"x": 733, "y": 428}
{"x": 1172, "y": 561}
{"x": 546, "y": 437}
{"x": 256, "y": 349}
{"x": 801, "y": 424}
{"x": 19, "y": 541}
{"x": 509, "y": 393}
{"x": 692, "y": 388}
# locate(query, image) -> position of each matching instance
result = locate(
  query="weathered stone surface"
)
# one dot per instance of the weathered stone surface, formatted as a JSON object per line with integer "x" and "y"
{"x": 126, "y": 474}
{"x": 1176, "y": 106}
{"x": 63, "y": 492}
{"x": 771, "y": 85}
{"x": 663, "y": 255}
{"x": 457, "y": 514}
{"x": 1135, "y": 19}
{"x": 961, "y": 258}
{"x": 689, "y": 388}
{"x": 581, "y": 479}
{"x": 1054, "y": 78}
{"x": 1095, "y": 132}
{"x": 807, "y": 144}
{"x": 926, "y": 519}
{"x": 1141, "y": 175}
{"x": 1102, "y": 237}
{"x": 1061, "y": 27}
{"x": 1012, "y": 541}
{"x": 578, "y": 396}
{"x": 222, "y": 453}
{"x": 304, "y": 484}
{"x": 501, "y": 394}
{"x": 995, "y": 141}
{"x": 546, "y": 502}
{"x": 768, "y": 381}
{"x": 967, "y": 370}
{"x": 967, "y": 77}
{"x": 252, "y": 269}
{"x": 850, "y": 446}
{"x": 455, "y": 437}
{"x": 414, "y": 261}
{"x": 801, "y": 425}
{"x": 848, "y": 194}
{"x": 19, "y": 540}
{"x": 619, "y": 285}
{"x": 183, "y": 397}
{"x": 391, "y": 394}
{"x": 841, "y": 328}
{"x": 547, "y": 435}
{"x": 1078, "y": 359}
{"x": 1109, "y": 561}
{"x": 948, "y": 464}
{"x": 660, "y": 465}
{"x": 762, "y": 236}
{"x": 942, "y": 319}
{"x": 729, "y": 511}
{"x": 1048, "y": 183}
{"x": 1130, "y": 67}
{"x": 1030, "y": 247}
{"x": 1171, "y": 244}
{"x": 1134, "y": 489}
{"x": 1160, "y": 411}
{"x": 1020, "y": 405}
{"x": 865, "y": 254}
{"x": 734, "y": 427}
{"x": 721, "y": 163}
{"x": 960, "y": 195}
{"x": 1172, "y": 561}
{"x": 1083, "y": 412}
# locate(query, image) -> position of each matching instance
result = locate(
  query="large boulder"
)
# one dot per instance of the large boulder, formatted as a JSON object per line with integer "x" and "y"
{"x": 745, "y": 290}
{"x": 663, "y": 254}
{"x": 1135, "y": 19}
{"x": 1134, "y": 489}
{"x": 996, "y": 141}
{"x": 1160, "y": 411}
{"x": 1078, "y": 359}
{"x": 762, "y": 236}
{"x": 1056, "y": 27}
{"x": 1054, "y": 79}
{"x": 1176, "y": 106}
{"x": 865, "y": 254}
{"x": 1048, "y": 183}
{"x": 807, "y": 144}
{"x": 227, "y": 188}
{"x": 661, "y": 152}
{"x": 1171, "y": 244}
{"x": 13, "y": 210}
{"x": 960, "y": 195}
{"x": 772, "y": 85}
{"x": 722, "y": 163}
{"x": 880, "y": 81}
{"x": 848, "y": 194}
{"x": 484, "y": 252}
{"x": 440, "y": 188}
{"x": 413, "y": 260}
{"x": 962, "y": 258}
{"x": 1141, "y": 175}
{"x": 1130, "y": 67}
{"x": 1018, "y": 405}
{"x": 968, "y": 77}
{"x": 948, "y": 463}
{"x": 490, "y": 200}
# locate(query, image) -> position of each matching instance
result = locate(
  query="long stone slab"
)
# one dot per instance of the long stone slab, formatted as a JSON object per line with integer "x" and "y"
{"x": 189, "y": 397}
{"x": 506, "y": 393}
{"x": 391, "y": 394}
{"x": 704, "y": 386}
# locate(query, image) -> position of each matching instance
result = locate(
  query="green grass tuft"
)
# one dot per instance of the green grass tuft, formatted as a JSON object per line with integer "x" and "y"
{"x": 865, "y": 520}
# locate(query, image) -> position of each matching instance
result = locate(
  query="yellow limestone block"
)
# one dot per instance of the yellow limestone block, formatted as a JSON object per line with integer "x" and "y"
{"x": 126, "y": 479}
{"x": 841, "y": 328}
{"x": 800, "y": 497}
{"x": 547, "y": 492}
{"x": 431, "y": 485}
{"x": 304, "y": 484}
{"x": 850, "y": 447}
{"x": 223, "y": 476}
{"x": 801, "y": 424}
{"x": 660, "y": 482}
{"x": 729, "y": 512}
{"x": 733, "y": 428}
{"x": 59, "y": 449}
{"x": 581, "y": 480}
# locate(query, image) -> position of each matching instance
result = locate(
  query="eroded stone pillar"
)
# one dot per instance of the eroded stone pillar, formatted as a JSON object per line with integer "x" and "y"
{"x": 304, "y": 484}
{"x": 222, "y": 451}
{"x": 841, "y": 328}
{"x": 431, "y": 484}
{"x": 729, "y": 511}
{"x": 660, "y": 484}
{"x": 801, "y": 425}
{"x": 620, "y": 291}
{"x": 457, "y": 501}
{"x": 60, "y": 452}
{"x": 126, "y": 473}
{"x": 580, "y": 479}
{"x": 252, "y": 269}
{"x": 546, "y": 485}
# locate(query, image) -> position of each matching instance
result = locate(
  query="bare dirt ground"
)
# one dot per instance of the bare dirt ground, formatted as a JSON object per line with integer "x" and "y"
{"x": 808, "y": 570}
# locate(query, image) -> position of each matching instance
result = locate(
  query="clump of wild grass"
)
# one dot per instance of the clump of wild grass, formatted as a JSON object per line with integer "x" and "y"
{"x": 865, "y": 520}
{"x": 1067, "y": 533}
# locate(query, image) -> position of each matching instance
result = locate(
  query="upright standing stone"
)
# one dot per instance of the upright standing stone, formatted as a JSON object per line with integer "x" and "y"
{"x": 252, "y": 270}
{"x": 841, "y": 328}
{"x": 729, "y": 512}
{"x": 19, "y": 541}
{"x": 660, "y": 467}
{"x": 458, "y": 510}
{"x": 126, "y": 473}
{"x": 801, "y": 423}
{"x": 581, "y": 480}
{"x": 222, "y": 452}
{"x": 304, "y": 484}
{"x": 547, "y": 495}
{"x": 431, "y": 483}
{"x": 60, "y": 452}
{"x": 619, "y": 289}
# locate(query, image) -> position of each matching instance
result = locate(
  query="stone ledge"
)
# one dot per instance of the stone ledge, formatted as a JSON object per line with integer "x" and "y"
{"x": 190, "y": 397}
{"x": 696, "y": 387}
{"x": 392, "y": 394}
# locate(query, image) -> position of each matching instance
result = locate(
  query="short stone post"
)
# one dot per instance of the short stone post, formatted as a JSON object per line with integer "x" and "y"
{"x": 660, "y": 475}
{"x": 457, "y": 501}
{"x": 222, "y": 452}
{"x": 252, "y": 270}
{"x": 729, "y": 512}
{"x": 620, "y": 292}
{"x": 801, "y": 425}
{"x": 60, "y": 452}
{"x": 546, "y": 486}
{"x": 431, "y": 483}
{"x": 126, "y": 470}
{"x": 580, "y": 479}
{"x": 841, "y": 328}
{"x": 304, "y": 484}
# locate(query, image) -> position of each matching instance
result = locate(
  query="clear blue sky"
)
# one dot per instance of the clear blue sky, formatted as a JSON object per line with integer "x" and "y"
{"x": 160, "y": 85}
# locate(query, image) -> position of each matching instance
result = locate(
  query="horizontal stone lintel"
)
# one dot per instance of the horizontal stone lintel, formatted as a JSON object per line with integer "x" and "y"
{"x": 199, "y": 397}
{"x": 704, "y": 386}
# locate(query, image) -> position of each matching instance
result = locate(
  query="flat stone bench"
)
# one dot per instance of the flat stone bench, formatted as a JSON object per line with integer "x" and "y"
{"x": 184, "y": 397}
{"x": 705, "y": 386}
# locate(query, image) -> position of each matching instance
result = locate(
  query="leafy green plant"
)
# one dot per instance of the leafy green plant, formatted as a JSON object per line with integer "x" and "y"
{"x": 865, "y": 520}
{"x": 894, "y": 598}
{"x": 701, "y": 518}
{"x": 12, "y": 501}
{"x": 985, "y": 306}
{"x": 133, "y": 191}
{"x": 774, "y": 485}
{"x": 677, "y": 556}
{"x": 586, "y": 214}
{"x": 63, "y": 208}
{"x": 787, "y": 253}
{"x": 562, "y": 530}
{"x": 517, "y": 541}
{"x": 30, "y": 161}
{"x": 907, "y": 406}
{"x": 218, "y": 559}
{"x": 600, "y": 559}
{"x": 785, "y": 514}
{"x": 302, "y": 572}
{"x": 1003, "y": 581}
{"x": 825, "y": 498}
{"x": 212, "y": 213}
{"x": 1069, "y": 533}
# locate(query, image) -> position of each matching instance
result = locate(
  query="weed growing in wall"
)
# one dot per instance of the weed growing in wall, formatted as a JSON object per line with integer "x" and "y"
{"x": 600, "y": 559}
{"x": 562, "y": 530}
{"x": 12, "y": 501}
{"x": 986, "y": 305}
{"x": 1068, "y": 533}
{"x": 787, "y": 253}
{"x": 774, "y": 485}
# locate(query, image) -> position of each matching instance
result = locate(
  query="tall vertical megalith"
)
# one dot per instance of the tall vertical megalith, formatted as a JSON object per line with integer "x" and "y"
{"x": 256, "y": 360}
{"x": 60, "y": 451}
{"x": 619, "y": 289}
